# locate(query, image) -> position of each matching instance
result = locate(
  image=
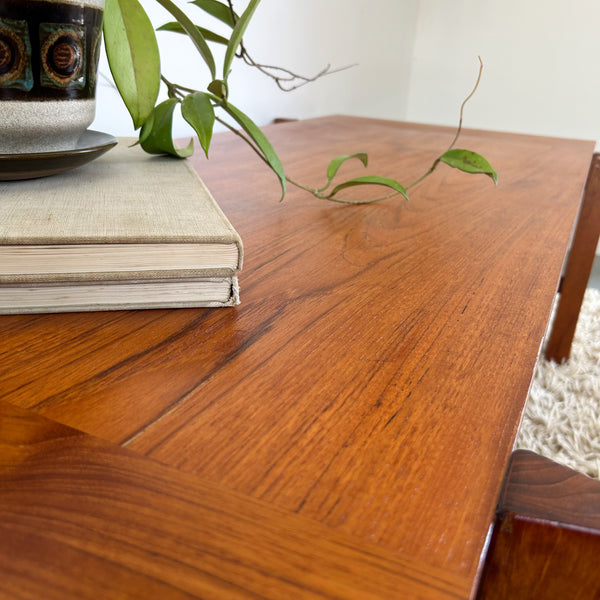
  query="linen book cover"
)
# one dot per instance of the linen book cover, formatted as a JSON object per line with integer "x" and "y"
{"x": 126, "y": 231}
{"x": 124, "y": 216}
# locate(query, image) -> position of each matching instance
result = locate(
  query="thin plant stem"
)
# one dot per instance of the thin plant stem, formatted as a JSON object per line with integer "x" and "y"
{"x": 313, "y": 191}
{"x": 370, "y": 201}
{"x": 318, "y": 192}
{"x": 231, "y": 9}
{"x": 174, "y": 89}
{"x": 280, "y": 75}
{"x": 436, "y": 162}
{"x": 285, "y": 80}
{"x": 462, "y": 106}
{"x": 243, "y": 137}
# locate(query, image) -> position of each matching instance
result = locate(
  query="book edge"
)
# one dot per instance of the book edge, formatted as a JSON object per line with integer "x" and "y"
{"x": 232, "y": 300}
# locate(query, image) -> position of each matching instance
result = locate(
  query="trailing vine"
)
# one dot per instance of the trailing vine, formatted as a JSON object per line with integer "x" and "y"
{"x": 134, "y": 60}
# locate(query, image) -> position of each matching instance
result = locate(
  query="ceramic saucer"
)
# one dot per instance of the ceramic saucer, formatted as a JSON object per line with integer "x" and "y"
{"x": 90, "y": 146}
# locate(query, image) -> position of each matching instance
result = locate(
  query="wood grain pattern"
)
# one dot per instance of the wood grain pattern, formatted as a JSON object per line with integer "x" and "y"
{"x": 546, "y": 536}
{"x": 539, "y": 487}
{"x": 82, "y": 519}
{"x": 577, "y": 269}
{"x": 374, "y": 375}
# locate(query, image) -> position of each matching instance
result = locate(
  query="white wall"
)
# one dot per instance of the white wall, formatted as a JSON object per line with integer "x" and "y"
{"x": 541, "y": 65}
{"x": 417, "y": 59}
{"x": 303, "y": 35}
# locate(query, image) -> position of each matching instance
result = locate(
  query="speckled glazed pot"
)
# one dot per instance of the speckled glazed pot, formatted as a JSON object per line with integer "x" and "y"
{"x": 49, "y": 54}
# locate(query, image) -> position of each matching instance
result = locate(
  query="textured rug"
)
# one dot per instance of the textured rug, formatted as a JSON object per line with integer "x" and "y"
{"x": 562, "y": 414}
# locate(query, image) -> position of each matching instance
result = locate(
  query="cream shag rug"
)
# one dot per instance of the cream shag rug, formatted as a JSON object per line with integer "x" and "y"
{"x": 562, "y": 414}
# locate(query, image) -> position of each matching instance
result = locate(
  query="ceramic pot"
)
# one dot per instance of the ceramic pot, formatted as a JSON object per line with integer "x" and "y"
{"x": 49, "y": 53}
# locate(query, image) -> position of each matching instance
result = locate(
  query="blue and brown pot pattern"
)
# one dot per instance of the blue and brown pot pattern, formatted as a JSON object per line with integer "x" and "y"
{"x": 48, "y": 50}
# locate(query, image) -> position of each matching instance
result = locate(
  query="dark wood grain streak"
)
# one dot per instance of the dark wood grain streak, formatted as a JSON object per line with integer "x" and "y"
{"x": 82, "y": 518}
{"x": 546, "y": 537}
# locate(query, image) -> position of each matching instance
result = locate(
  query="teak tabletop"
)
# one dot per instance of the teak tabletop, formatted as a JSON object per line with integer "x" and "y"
{"x": 343, "y": 433}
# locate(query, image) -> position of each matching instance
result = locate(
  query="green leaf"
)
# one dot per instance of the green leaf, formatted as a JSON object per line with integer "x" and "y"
{"x": 156, "y": 134}
{"x": 193, "y": 32}
{"x": 133, "y": 56}
{"x": 218, "y": 88}
{"x": 261, "y": 141}
{"x": 198, "y": 111}
{"x": 218, "y": 10}
{"x": 209, "y": 36}
{"x": 338, "y": 161}
{"x": 469, "y": 162}
{"x": 236, "y": 36}
{"x": 370, "y": 180}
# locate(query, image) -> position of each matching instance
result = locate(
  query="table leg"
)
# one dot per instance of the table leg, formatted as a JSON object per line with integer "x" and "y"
{"x": 578, "y": 268}
{"x": 546, "y": 537}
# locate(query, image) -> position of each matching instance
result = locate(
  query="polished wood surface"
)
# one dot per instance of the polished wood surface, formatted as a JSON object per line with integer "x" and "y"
{"x": 97, "y": 521}
{"x": 547, "y": 534}
{"x": 373, "y": 378}
{"x": 577, "y": 269}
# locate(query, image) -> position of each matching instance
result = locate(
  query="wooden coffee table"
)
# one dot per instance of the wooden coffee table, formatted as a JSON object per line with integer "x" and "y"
{"x": 344, "y": 433}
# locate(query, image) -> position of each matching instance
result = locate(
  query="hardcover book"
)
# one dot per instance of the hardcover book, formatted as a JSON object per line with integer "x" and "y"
{"x": 125, "y": 231}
